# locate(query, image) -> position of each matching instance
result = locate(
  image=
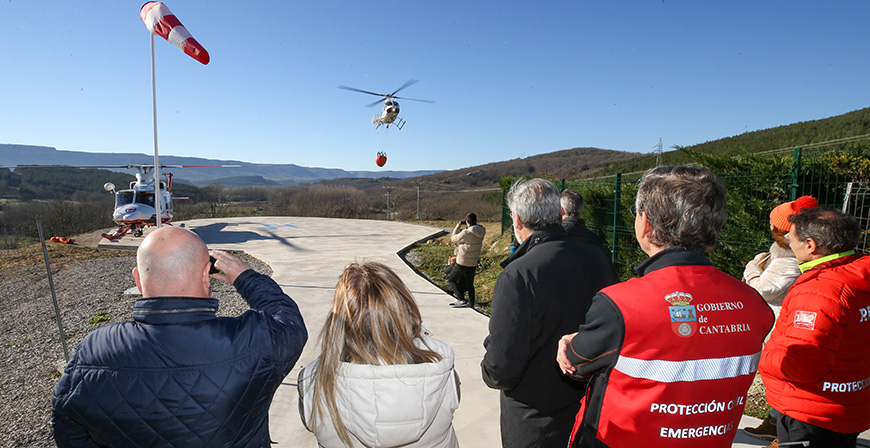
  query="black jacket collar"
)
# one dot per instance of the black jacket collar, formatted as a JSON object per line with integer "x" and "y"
{"x": 174, "y": 310}
{"x": 550, "y": 233}
{"x": 674, "y": 256}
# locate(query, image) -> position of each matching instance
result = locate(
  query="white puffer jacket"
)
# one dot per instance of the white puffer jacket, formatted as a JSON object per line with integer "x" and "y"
{"x": 772, "y": 273}
{"x": 409, "y": 405}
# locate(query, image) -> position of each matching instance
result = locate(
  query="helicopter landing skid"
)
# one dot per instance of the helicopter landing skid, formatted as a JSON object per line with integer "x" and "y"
{"x": 118, "y": 233}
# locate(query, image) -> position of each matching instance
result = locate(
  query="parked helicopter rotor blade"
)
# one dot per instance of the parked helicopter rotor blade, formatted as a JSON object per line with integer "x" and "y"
{"x": 410, "y": 82}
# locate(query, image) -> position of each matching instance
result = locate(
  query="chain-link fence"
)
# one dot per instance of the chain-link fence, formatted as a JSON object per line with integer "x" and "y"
{"x": 755, "y": 186}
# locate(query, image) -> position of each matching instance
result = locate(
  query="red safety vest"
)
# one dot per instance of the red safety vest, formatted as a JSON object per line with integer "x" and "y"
{"x": 693, "y": 337}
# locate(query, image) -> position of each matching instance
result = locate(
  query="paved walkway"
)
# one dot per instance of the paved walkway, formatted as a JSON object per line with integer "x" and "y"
{"x": 308, "y": 254}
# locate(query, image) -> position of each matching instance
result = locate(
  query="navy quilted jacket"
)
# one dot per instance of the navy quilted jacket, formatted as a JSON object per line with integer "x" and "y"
{"x": 178, "y": 376}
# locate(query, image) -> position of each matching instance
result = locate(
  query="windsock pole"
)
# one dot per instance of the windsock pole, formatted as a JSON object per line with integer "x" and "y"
{"x": 158, "y": 198}
{"x": 159, "y": 20}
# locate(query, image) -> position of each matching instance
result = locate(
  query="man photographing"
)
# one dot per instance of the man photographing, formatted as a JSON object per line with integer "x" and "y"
{"x": 469, "y": 243}
{"x": 178, "y": 375}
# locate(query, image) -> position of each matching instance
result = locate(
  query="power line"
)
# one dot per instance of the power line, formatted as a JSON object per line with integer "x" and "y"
{"x": 855, "y": 138}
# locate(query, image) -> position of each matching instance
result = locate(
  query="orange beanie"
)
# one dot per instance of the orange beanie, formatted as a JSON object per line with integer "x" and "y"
{"x": 779, "y": 215}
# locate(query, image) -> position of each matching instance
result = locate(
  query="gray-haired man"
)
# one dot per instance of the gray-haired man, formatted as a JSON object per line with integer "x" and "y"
{"x": 545, "y": 289}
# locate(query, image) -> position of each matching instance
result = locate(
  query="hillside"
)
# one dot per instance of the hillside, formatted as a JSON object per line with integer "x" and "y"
{"x": 564, "y": 164}
{"x": 855, "y": 124}
{"x": 590, "y": 162}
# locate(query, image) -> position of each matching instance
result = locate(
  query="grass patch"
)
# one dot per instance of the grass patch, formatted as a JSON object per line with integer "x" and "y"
{"x": 431, "y": 258}
{"x": 20, "y": 341}
{"x": 102, "y": 316}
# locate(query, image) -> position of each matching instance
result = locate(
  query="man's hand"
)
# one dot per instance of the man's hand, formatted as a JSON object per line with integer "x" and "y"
{"x": 562, "y": 354}
{"x": 230, "y": 267}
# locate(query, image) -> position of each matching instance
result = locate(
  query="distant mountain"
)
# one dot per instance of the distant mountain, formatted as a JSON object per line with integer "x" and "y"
{"x": 11, "y": 155}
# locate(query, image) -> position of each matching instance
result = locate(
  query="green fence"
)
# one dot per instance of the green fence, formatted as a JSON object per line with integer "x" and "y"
{"x": 755, "y": 185}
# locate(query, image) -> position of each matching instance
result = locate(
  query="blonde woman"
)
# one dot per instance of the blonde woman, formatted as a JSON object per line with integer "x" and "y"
{"x": 379, "y": 381}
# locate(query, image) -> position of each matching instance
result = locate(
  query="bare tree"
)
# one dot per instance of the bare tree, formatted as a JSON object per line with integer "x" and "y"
{"x": 215, "y": 203}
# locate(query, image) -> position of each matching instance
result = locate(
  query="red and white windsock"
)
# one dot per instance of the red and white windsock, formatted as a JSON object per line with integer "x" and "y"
{"x": 160, "y": 21}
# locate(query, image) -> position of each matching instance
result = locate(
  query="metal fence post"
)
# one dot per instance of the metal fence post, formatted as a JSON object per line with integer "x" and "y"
{"x": 505, "y": 212}
{"x": 617, "y": 205}
{"x": 794, "y": 174}
{"x": 53, "y": 294}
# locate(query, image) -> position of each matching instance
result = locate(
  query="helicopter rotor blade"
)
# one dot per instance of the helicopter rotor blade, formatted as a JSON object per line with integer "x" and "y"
{"x": 412, "y": 99}
{"x": 362, "y": 91}
{"x": 377, "y": 102}
{"x": 409, "y": 83}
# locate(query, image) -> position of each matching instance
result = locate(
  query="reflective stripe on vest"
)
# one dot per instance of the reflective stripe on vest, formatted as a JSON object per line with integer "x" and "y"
{"x": 694, "y": 370}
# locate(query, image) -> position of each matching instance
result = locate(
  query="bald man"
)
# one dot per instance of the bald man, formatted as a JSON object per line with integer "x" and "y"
{"x": 178, "y": 375}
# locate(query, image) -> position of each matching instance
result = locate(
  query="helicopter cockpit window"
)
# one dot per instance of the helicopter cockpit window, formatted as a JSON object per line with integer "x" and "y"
{"x": 145, "y": 198}
{"x": 123, "y": 198}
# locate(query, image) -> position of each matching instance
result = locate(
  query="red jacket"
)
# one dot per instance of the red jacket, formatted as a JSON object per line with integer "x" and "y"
{"x": 816, "y": 365}
{"x": 691, "y": 340}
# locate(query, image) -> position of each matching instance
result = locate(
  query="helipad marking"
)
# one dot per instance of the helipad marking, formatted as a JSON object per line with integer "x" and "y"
{"x": 269, "y": 227}
{"x": 291, "y": 225}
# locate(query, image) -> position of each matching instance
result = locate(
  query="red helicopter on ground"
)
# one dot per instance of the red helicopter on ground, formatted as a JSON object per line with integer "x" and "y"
{"x": 135, "y": 207}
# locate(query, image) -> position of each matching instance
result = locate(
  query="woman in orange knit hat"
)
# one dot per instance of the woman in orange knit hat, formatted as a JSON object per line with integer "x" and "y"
{"x": 772, "y": 273}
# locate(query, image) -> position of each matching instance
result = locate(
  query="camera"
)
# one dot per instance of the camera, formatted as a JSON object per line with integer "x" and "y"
{"x": 212, "y": 269}
{"x": 463, "y": 223}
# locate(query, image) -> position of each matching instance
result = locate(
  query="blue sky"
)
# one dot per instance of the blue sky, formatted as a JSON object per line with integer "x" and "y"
{"x": 510, "y": 79}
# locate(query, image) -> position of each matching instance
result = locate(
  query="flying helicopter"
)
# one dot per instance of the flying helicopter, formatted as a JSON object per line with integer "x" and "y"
{"x": 390, "y": 111}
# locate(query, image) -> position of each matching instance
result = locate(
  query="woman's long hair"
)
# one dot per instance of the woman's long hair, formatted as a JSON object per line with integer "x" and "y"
{"x": 779, "y": 236}
{"x": 374, "y": 320}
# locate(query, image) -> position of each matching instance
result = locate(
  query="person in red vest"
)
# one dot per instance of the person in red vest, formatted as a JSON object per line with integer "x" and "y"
{"x": 815, "y": 366}
{"x": 671, "y": 354}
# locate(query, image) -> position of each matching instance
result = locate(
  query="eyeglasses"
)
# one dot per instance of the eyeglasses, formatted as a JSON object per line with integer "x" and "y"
{"x": 632, "y": 211}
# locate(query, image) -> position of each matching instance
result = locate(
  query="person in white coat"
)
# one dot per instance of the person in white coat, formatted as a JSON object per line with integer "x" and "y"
{"x": 379, "y": 381}
{"x": 773, "y": 272}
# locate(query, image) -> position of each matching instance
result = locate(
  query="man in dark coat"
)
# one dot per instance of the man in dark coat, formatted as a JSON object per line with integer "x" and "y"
{"x": 547, "y": 283}
{"x": 572, "y": 207}
{"x": 178, "y": 375}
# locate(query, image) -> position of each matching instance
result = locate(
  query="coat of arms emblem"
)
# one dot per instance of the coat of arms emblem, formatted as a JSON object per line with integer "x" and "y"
{"x": 684, "y": 319}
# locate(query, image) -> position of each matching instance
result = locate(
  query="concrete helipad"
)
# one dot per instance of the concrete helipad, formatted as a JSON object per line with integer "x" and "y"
{"x": 308, "y": 254}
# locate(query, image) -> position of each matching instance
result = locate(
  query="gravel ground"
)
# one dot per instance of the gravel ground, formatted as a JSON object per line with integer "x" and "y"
{"x": 90, "y": 290}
